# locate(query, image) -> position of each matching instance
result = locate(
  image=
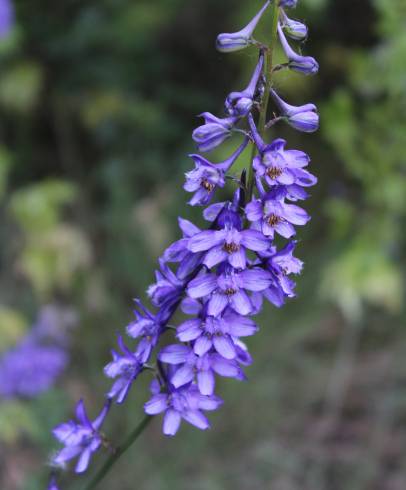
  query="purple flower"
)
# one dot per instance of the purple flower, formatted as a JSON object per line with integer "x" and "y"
{"x": 273, "y": 215}
{"x": 206, "y": 176}
{"x": 6, "y": 17}
{"x": 189, "y": 365}
{"x": 184, "y": 403}
{"x": 218, "y": 333}
{"x": 227, "y": 245}
{"x": 303, "y": 118}
{"x": 283, "y": 167}
{"x": 126, "y": 367}
{"x": 240, "y": 103}
{"x": 81, "y": 439}
{"x": 302, "y": 64}
{"x": 229, "y": 289}
{"x": 30, "y": 369}
{"x": 229, "y": 42}
{"x": 213, "y": 132}
{"x": 147, "y": 327}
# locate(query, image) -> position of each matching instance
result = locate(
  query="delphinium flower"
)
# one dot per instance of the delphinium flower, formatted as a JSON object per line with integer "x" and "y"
{"x": 81, "y": 438}
{"x": 34, "y": 364}
{"x": 218, "y": 275}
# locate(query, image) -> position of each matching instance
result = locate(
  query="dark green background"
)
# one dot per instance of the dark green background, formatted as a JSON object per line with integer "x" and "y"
{"x": 98, "y": 100}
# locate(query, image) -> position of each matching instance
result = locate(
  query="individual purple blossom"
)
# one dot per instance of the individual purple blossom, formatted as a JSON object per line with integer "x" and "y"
{"x": 227, "y": 245}
{"x": 147, "y": 328}
{"x": 229, "y": 42}
{"x": 274, "y": 216}
{"x": 213, "y": 132}
{"x": 303, "y": 118}
{"x": 283, "y": 167}
{"x": 124, "y": 368}
{"x": 218, "y": 333}
{"x": 81, "y": 439}
{"x": 184, "y": 403}
{"x": 6, "y": 17}
{"x": 239, "y": 104}
{"x": 302, "y": 64}
{"x": 206, "y": 177}
{"x": 204, "y": 367}
{"x": 229, "y": 289}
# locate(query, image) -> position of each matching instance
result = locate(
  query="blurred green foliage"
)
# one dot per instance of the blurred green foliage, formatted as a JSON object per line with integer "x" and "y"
{"x": 98, "y": 101}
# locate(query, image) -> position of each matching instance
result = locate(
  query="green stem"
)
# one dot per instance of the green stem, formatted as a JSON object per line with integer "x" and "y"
{"x": 268, "y": 67}
{"x": 118, "y": 453}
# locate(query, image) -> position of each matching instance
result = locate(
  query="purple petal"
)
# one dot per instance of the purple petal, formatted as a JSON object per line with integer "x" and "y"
{"x": 204, "y": 241}
{"x": 215, "y": 256}
{"x": 196, "y": 418}
{"x": 255, "y": 279}
{"x": 171, "y": 423}
{"x": 206, "y": 382}
{"x": 202, "y": 345}
{"x": 217, "y": 303}
{"x": 241, "y": 303}
{"x": 189, "y": 330}
{"x": 182, "y": 376}
{"x": 238, "y": 259}
{"x": 202, "y": 286}
{"x": 84, "y": 460}
{"x": 157, "y": 404}
{"x": 224, "y": 346}
{"x": 224, "y": 367}
{"x": 255, "y": 240}
{"x": 285, "y": 229}
{"x": 240, "y": 326}
{"x": 174, "y": 354}
{"x": 254, "y": 210}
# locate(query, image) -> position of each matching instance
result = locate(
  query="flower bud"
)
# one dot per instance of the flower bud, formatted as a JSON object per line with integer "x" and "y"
{"x": 289, "y": 4}
{"x": 229, "y": 42}
{"x": 294, "y": 29}
{"x": 239, "y": 104}
{"x": 303, "y": 118}
{"x": 213, "y": 132}
{"x": 303, "y": 64}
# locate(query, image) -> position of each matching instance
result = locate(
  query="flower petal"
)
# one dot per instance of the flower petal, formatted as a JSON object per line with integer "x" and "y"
{"x": 206, "y": 382}
{"x": 224, "y": 346}
{"x": 174, "y": 354}
{"x": 202, "y": 286}
{"x": 157, "y": 404}
{"x": 171, "y": 422}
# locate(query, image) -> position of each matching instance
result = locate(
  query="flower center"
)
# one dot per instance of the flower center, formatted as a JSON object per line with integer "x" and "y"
{"x": 231, "y": 247}
{"x": 274, "y": 172}
{"x": 273, "y": 220}
{"x": 229, "y": 291}
{"x": 207, "y": 185}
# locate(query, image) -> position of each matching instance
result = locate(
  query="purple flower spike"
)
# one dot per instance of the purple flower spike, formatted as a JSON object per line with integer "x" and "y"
{"x": 81, "y": 439}
{"x": 213, "y": 132}
{"x": 302, "y": 64}
{"x": 283, "y": 167}
{"x": 184, "y": 403}
{"x": 6, "y": 17}
{"x": 294, "y": 29}
{"x": 125, "y": 367}
{"x": 303, "y": 118}
{"x": 276, "y": 216}
{"x": 206, "y": 176}
{"x": 240, "y": 103}
{"x": 229, "y": 42}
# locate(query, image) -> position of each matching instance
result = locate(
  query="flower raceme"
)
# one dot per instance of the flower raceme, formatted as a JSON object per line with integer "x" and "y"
{"x": 218, "y": 275}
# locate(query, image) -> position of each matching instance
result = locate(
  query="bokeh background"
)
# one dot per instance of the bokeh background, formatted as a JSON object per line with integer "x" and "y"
{"x": 98, "y": 100}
